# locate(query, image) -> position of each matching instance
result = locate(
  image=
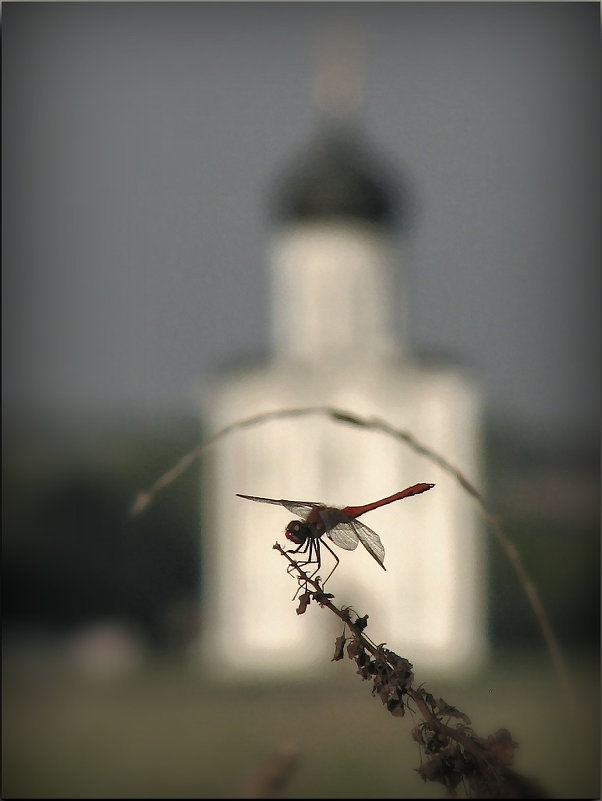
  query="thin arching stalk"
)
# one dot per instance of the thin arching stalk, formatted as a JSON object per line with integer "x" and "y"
{"x": 345, "y": 417}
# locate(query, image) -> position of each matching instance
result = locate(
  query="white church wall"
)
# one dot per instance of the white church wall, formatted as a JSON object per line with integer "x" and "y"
{"x": 428, "y": 605}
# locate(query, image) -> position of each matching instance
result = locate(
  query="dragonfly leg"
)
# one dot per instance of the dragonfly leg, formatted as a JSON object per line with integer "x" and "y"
{"x": 309, "y": 548}
{"x": 315, "y": 548}
{"x": 302, "y": 549}
{"x": 337, "y": 560}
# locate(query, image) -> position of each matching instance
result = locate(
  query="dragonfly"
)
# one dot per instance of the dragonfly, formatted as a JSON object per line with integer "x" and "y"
{"x": 340, "y": 525}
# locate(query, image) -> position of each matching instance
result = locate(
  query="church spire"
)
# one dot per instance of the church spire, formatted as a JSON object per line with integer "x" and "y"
{"x": 338, "y": 86}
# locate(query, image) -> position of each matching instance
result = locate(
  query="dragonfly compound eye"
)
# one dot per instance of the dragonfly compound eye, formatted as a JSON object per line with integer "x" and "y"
{"x": 296, "y": 532}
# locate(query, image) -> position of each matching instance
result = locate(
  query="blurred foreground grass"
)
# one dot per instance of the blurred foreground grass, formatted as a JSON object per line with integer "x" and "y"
{"x": 165, "y": 731}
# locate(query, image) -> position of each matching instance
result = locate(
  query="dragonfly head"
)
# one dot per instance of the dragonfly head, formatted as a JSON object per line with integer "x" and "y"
{"x": 297, "y": 531}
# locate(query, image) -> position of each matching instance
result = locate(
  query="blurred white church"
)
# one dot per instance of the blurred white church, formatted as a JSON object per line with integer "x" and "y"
{"x": 339, "y": 339}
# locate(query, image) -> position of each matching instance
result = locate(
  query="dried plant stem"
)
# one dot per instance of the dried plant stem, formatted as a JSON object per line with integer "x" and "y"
{"x": 376, "y": 424}
{"x": 452, "y": 754}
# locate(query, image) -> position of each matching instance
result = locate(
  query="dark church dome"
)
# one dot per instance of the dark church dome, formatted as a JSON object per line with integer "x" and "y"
{"x": 336, "y": 178}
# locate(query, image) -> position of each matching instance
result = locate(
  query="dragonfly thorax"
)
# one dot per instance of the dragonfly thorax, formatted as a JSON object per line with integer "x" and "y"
{"x": 297, "y": 531}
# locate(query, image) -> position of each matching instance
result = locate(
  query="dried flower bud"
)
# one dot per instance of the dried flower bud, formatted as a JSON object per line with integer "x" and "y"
{"x": 362, "y": 622}
{"x": 304, "y": 601}
{"x": 339, "y": 648}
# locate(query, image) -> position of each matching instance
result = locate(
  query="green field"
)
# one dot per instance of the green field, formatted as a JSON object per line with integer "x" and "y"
{"x": 164, "y": 731}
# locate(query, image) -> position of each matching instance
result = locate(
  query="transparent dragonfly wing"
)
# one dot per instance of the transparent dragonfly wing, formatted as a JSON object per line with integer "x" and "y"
{"x": 299, "y": 508}
{"x": 343, "y": 535}
{"x": 371, "y": 541}
{"x": 346, "y": 535}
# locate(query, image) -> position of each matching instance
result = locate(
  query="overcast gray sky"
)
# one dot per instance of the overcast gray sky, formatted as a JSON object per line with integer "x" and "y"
{"x": 140, "y": 141}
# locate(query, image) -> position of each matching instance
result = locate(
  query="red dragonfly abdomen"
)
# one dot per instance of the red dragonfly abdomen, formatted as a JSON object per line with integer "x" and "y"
{"x": 415, "y": 489}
